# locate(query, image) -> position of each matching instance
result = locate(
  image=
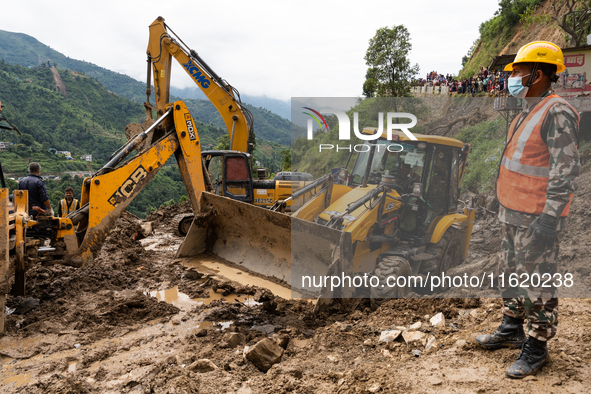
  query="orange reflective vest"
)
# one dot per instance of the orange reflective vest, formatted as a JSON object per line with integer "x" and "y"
{"x": 523, "y": 175}
{"x": 65, "y": 209}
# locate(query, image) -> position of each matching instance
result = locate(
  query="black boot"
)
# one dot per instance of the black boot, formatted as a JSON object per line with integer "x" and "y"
{"x": 533, "y": 355}
{"x": 509, "y": 334}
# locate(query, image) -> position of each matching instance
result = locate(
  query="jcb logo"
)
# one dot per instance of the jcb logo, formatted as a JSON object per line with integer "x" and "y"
{"x": 190, "y": 127}
{"x": 128, "y": 186}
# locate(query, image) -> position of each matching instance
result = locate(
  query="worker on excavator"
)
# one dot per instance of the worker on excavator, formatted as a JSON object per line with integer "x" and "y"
{"x": 38, "y": 199}
{"x": 535, "y": 185}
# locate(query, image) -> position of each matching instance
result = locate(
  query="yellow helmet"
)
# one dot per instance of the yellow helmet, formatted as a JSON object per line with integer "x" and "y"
{"x": 539, "y": 52}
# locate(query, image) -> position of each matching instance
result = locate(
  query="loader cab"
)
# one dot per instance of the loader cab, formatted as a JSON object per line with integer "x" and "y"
{"x": 230, "y": 173}
{"x": 425, "y": 173}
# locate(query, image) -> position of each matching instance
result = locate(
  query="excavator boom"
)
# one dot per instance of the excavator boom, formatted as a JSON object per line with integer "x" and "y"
{"x": 162, "y": 48}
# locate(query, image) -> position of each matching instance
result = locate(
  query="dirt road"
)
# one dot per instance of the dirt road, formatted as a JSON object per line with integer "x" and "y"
{"x": 138, "y": 321}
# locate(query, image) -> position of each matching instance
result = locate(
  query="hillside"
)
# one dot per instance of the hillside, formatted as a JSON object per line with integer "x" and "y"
{"x": 267, "y": 125}
{"x": 505, "y": 34}
{"x": 89, "y": 120}
{"x": 19, "y": 48}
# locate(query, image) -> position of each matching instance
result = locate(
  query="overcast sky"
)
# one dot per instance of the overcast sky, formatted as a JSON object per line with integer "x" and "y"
{"x": 280, "y": 49}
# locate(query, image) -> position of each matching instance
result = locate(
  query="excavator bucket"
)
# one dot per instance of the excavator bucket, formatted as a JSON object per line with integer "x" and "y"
{"x": 269, "y": 244}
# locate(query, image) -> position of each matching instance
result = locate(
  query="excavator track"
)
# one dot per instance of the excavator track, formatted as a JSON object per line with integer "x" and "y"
{"x": 181, "y": 224}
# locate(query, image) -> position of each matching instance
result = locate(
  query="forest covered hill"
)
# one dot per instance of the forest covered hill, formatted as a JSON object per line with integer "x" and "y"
{"x": 63, "y": 104}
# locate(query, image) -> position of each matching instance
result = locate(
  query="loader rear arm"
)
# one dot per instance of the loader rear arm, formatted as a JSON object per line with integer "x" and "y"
{"x": 106, "y": 195}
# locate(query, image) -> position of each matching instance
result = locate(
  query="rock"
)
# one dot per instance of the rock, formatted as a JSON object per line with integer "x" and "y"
{"x": 389, "y": 335}
{"x": 265, "y": 328}
{"x": 431, "y": 343}
{"x": 202, "y": 366}
{"x": 491, "y": 203}
{"x": 201, "y": 332}
{"x": 176, "y": 321}
{"x": 438, "y": 320}
{"x": 400, "y": 328}
{"x": 416, "y": 326}
{"x": 231, "y": 340}
{"x": 460, "y": 343}
{"x": 416, "y": 352}
{"x": 77, "y": 346}
{"x": 474, "y": 313}
{"x": 264, "y": 354}
{"x": 411, "y": 337}
{"x": 193, "y": 274}
{"x": 436, "y": 381}
{"x": 147, "y": 229}
{"x": 374, "y": 388}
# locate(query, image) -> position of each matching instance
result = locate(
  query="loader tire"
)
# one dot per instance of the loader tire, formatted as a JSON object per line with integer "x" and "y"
{"x": 448, "y": 252}
{"x": 390, "y": 267}
{"x": 181, "y": 224}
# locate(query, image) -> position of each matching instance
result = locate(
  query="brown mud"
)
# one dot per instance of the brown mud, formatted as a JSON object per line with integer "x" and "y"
{"x": 137, "y": 321}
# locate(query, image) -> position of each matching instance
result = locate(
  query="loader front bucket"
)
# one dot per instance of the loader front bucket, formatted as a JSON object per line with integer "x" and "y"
{"x": 264, "y": 242}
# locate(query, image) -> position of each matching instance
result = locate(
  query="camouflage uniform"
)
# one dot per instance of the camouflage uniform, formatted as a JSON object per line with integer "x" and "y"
{"x": 540, "y": 305}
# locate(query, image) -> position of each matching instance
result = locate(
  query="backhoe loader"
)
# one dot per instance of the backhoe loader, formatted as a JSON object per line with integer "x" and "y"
{"x": 396, "y": 215}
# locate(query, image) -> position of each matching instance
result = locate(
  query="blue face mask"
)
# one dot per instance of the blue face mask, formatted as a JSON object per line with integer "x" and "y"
{"x": 516, "y": 88}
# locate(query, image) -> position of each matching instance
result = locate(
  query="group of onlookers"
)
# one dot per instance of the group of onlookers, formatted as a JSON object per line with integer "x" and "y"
{"x": 493, "y": 83}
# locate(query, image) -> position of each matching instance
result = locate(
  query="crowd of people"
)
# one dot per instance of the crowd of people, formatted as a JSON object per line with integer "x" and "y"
{"x": 492, "y": 83}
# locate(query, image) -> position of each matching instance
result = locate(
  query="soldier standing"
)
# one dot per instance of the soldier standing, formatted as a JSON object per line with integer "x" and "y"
{"x": 535, "y": 185}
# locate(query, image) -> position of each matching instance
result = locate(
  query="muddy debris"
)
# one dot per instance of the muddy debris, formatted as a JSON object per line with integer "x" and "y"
{"x": 131, "y": 342}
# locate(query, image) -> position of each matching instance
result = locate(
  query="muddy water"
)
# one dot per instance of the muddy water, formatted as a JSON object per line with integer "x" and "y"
{"x": 18, "y": 380}
{"x": 181, "y": 300}
{"x": 216, "y": 265}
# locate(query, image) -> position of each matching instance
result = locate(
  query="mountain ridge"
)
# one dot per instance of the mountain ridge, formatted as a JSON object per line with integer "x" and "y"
{"x": 28, "y": 51}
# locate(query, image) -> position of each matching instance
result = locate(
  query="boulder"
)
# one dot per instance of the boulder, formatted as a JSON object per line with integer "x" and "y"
{"x": 438, "y": 320}
{"x": 264, "y": 354}
{"x": 389, "y": 335}
{"x": 412, "y": 337}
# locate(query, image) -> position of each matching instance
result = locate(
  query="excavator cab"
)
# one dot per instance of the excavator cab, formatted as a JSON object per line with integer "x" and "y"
{"x": 230, "y": 173}
{"x": 426, "y": 173}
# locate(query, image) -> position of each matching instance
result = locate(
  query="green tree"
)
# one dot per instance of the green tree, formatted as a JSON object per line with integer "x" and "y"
{"x": 572, "y": 16}
{"x": 286, "y": 160}
{"x": 223, "y": 143}
{"x": 27, "y": 139}
{"x": 390, "y": 72}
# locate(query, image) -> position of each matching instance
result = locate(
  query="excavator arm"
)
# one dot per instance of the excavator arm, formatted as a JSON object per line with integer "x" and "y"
{"x": 162, "y": 48}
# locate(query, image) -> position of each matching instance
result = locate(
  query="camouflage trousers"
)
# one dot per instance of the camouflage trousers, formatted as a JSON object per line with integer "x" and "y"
{"x": 538, "y": 305}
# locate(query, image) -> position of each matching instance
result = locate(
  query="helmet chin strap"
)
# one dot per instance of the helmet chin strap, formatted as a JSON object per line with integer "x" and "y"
{"x": 532, "y": 75}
